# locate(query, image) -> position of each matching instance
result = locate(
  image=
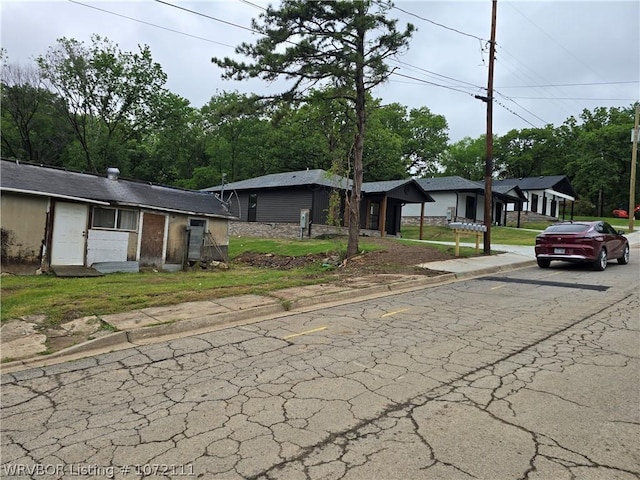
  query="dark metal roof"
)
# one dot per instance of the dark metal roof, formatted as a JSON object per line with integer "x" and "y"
{"x": 559, "y": 183}
{"x": 388, "y": 187}
{"x": 510, "y": 193}
{"x": 54, "y": 182}
{"x": 317, "y": 177}
{"x": 383, "y": 186}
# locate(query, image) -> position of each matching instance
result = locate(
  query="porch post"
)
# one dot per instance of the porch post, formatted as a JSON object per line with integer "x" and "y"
{"x": 421, "y": 219}
{"x": 383, "y": 220}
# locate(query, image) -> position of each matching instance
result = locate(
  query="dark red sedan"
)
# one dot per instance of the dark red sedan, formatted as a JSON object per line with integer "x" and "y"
{"x": 585, "y": 242}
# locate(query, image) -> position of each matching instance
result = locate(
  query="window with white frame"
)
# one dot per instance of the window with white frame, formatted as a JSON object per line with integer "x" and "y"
{"x": 114, "y": 218}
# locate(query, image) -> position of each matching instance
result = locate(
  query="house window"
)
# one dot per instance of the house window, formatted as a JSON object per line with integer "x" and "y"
{"x": 374, "y": 215}
{"x": 114, "y": 218}
{"x": 253, "y": 207}
{"x": 534, "y": 203}
{"x": 197, "y": 222}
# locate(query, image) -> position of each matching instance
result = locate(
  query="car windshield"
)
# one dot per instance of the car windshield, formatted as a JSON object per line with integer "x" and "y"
{"x": 567, "y": 228}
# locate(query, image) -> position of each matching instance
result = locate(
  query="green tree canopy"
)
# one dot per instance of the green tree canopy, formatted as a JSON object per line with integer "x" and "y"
{"x": 342, "y": 43}
{"x": 110, "y": 96}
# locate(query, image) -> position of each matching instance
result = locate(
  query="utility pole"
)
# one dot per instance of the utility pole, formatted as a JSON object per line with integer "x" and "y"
{"x": 632, "y": 182}
{"x": 488, "y": 166}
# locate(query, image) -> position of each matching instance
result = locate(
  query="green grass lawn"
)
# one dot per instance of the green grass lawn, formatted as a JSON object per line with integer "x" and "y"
{"x": 62, "y": 299}
{"x": 499, "y": 235}
{"x": 509, "y": 235}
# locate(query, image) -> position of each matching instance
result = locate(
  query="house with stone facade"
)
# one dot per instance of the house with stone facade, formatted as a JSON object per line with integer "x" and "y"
{"x": 304, "y": 202}
{"x": 459, "y": 199}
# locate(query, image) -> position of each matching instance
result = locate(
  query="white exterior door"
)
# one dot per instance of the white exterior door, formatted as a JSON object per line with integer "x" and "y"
{"x": 69, "y": 234}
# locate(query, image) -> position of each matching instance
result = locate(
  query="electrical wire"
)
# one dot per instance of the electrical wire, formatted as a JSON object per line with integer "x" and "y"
{"x": 440, "y": 24}
{"x": 208, "y": 16}
{"x": 571, "y": 84}
{"x": 151, "y": 24}
{"x": 456, "y": 88}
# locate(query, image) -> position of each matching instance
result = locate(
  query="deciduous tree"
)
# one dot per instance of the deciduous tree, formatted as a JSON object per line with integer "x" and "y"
{"x": 110, "y": 96}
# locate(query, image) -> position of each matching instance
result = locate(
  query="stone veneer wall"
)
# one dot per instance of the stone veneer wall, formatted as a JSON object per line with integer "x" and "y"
{"x": 288, "y": 230}
{"x": 512, "y": 217}
{"x": 434, "y": 221}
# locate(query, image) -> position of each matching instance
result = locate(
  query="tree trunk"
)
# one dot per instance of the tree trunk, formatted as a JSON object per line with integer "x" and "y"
{"x": 354, "y": 210}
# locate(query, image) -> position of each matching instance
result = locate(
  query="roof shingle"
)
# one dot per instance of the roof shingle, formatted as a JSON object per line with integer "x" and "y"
{"x": 41, "y": 180}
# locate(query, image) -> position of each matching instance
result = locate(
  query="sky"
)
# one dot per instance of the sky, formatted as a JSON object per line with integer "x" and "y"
{"x": 553, "y": 58}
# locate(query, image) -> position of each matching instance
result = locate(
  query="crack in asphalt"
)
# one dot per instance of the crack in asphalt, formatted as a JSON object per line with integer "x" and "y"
{"x": 244, "y": 403}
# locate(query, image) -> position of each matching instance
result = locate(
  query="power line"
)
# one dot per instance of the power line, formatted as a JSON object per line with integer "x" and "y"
{"x": 151, "y": 24}
{"x": 516, "y": 103}
{"x": 581, "y": 99}
{"x": 421, "y": 80}
{"x": 253, "y": 5}
{"x": 512, "y": 5}
{"x": 573, "y": 84}
{"x": 208, "y": 16}
{"x": 440, "y": 25}
{"x": 399, "y": 62}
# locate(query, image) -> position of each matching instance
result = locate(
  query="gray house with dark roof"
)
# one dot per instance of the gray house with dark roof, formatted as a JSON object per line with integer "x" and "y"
{"x": 280, "y": 198}
{"x": 457, "y": 198}
{"x": 52, "y": 217}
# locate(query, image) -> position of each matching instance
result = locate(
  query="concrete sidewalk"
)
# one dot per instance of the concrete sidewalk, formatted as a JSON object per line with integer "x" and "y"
{"x": 23, "y": 346}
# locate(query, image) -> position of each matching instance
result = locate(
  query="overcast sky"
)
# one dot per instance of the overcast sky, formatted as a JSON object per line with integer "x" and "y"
{"x": 553, "y": 58}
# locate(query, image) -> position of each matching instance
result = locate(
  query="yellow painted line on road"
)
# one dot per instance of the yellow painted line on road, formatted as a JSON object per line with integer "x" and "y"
{"x": 304, "y": 333}
{"x": 499, "y": 286}
{"x": 393, "y": 313}
{"x": 554, "y": 273}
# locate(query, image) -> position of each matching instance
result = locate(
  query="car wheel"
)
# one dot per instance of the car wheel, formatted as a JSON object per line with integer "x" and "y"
{"x": 624, "y": 259}
{"x": 601, "y": 262}
{"x": 543, "y": 262}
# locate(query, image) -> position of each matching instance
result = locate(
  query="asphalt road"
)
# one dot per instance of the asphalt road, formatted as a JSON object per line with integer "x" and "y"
{"x": 529, "y": 374}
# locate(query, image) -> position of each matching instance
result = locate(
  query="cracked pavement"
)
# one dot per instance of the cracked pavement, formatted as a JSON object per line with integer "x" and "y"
{"x": 475, "y": 379}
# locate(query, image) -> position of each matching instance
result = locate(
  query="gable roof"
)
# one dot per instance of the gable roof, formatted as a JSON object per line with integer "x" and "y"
{"x": 54, "y": 182}
{"x": 397, "y": 189}
{"x": 509, "y": 193}
{"x": 445, "y": 184}
{"x": 558, "y": 183}
{"x": 317, "y": 177}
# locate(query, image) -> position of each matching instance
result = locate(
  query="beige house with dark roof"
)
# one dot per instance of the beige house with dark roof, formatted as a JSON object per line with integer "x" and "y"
{"x": 55, "y": 218}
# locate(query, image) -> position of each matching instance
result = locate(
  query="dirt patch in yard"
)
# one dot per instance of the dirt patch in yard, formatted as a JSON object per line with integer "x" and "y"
{"x": 393, "y": 256}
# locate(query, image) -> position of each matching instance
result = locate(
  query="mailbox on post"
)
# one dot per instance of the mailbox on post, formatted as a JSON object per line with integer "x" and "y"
{"x": 461, "y": 228}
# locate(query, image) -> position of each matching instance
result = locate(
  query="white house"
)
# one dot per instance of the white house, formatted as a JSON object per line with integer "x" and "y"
{"x": 457, "y": 198}
{"x": 550, "y": 196}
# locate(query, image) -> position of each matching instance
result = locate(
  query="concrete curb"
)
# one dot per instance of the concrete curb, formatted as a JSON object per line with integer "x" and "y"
{"x": 164, "y": 331}
{"x": 491, "y": 270}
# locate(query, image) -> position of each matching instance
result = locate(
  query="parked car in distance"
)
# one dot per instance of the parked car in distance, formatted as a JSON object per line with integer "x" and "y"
{"x": 582, "y": 242}
{"x": 621, "y": 212}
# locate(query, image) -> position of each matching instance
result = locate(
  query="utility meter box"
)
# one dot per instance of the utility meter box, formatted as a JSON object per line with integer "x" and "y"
{"x": 304, "y": 218}
{"x": 451, "y": 213}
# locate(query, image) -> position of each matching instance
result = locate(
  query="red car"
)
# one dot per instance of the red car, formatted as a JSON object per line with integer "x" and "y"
{"x": 621, "y": 212}
{"x": 585, "y": 242}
